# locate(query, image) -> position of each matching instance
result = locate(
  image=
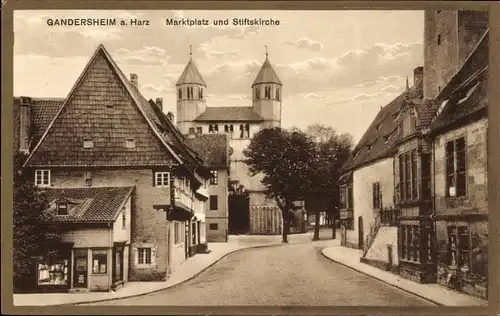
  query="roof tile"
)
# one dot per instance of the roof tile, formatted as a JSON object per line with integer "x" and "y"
{"x": 89, "y": 205}
{"x": 229, "y": 114}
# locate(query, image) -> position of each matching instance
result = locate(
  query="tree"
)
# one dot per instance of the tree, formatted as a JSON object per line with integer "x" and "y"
{"x": 330, "y": 152}
{"x": 34, "y": 235}
{"x": 283, "y": 158}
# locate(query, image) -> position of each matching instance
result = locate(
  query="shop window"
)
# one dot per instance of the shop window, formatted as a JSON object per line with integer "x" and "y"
{"x": 456, "y": 168}
{"x": 99, "y": 261}
{"x": 214, "y": 226}
{"x": 162, "y": 179}
{"x": 458, "y": 246}
{"x": 213, "y": 203}
{"x": 42, "y": 177}
{"x": 53, "y": 273}
{"x": 144, "y": 255}
{"x": 214, "y": 179}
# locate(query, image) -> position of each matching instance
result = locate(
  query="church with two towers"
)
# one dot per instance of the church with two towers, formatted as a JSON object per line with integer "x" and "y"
{"x": 239, "y": 124}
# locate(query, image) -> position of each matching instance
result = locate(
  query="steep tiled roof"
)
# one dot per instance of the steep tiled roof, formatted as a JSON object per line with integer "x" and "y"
{"x": 468, "y": 99}
{"x": 213, "y": 148}
{"x": 426, "y": 113}
{"x": 43, "y": 110}
{"x": 229, "y": 114}
{"x": 89, "y": 205}
{"x": 174, "y": 135}
{"x": 191, "y": 75}
{"x": 466, "y": 93}
{"x": 379, "y": 140}
{"x": 266, "y": 74}
{"x": 105, "y": 107}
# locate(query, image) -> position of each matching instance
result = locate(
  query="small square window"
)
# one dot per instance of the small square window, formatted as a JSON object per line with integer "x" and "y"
{"x": 130, "y": 143}
{"x": 214, "y": 226}
{"x": 88, "y": 143}
{"x": 162, "y": 179}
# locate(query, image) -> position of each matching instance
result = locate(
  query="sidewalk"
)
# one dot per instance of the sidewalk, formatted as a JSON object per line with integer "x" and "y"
{"x": 432, "y": 292}
{"x": 188, "y": 270}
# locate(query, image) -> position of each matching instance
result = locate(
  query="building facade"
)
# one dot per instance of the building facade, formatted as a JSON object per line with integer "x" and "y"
{"x": 439, "y": 164}
{"x": 239, "y": 124}
{"x": 213, "y": 148}
{"x": 105, "y": 134}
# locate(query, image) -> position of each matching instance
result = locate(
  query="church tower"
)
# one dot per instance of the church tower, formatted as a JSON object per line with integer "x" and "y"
{"x": 191, "y": 96}
{"x": 266, "y": 95}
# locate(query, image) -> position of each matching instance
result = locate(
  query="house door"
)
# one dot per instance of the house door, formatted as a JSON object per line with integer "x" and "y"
{"x": 80, "y": 274}
{"x": 117, "y": 264}
{"x": 360, "y": 233}
{"x": 199, "y": 232}
{"x": 194, "y": 234}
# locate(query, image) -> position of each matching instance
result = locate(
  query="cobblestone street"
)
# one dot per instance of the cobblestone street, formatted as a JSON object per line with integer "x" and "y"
{"x": 278, "y": 275}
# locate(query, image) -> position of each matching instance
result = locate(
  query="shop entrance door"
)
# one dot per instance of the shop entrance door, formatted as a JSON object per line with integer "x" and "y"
{"x": 117, "y": 264}
{"x": 80, "y": 276}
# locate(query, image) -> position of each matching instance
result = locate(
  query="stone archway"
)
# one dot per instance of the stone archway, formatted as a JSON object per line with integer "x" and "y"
{"x": 238, "y": 209}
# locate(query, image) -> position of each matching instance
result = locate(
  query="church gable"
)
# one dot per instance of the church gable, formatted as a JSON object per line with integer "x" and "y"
{"x": 100, "y": 125}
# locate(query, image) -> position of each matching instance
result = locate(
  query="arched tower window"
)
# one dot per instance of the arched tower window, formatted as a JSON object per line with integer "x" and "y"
{"x": 201, "y": 94}
{"x": 277, "y": 93}
{"x": 247, "y": 130}
{"x": 241, "y": 131}
{"x": 257, "y": 93}
{"x": 267, "y": 93}
{"x": 180, "y": 94}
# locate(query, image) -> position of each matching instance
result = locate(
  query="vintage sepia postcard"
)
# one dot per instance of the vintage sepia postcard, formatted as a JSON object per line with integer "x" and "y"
{"x": 168, "y": 157}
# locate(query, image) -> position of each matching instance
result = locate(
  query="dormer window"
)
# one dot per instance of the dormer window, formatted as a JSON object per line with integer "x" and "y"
{"x": 88, "y": 143}
{"x": 62, "y": 209}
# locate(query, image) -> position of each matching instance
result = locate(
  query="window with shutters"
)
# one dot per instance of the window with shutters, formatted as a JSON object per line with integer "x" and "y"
{"x": 456, "y": 168}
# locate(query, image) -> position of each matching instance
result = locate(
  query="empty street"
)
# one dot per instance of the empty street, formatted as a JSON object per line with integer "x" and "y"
{"x": 295, "y": 274}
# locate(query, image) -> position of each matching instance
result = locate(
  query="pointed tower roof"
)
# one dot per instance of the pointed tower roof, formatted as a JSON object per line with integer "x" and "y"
{"x": 266, "y": 74}
{"x": 191, "y": 73}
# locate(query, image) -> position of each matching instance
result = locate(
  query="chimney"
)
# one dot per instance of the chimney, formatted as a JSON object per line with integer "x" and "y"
{"x": 418, "y": 75}
{"x": 170, "y": 116}
{"x": 159, "y": 103}
{"x": 134, "y": 79}
{"x": 24, "y": 124}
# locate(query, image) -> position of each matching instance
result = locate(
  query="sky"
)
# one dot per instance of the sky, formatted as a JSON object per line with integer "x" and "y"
{"x": 337, "y": 67}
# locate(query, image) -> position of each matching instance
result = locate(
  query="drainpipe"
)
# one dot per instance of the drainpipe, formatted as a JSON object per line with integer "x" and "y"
{"x": 433, "y": 213}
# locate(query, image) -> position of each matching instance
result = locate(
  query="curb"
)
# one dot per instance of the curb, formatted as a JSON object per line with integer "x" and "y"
{"x": 170, "y": 286}
{"x": 382, "y": 280}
